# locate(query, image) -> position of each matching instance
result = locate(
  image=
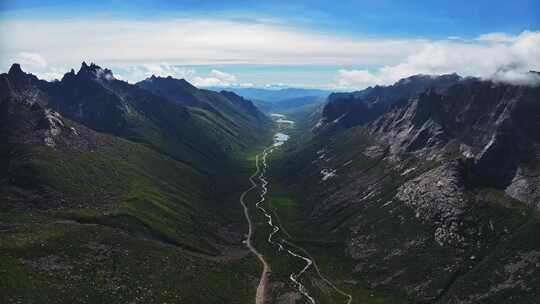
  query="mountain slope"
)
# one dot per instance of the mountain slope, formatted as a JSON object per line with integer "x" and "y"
{"x": 492, "y": 125}
{"x": 239, "y": 118}
{"x": 95, "y": 98}
{"x": 127, "y": 214}
{"x": 434, "y": 200}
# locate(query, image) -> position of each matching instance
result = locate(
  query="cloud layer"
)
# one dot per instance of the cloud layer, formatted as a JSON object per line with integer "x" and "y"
{"x": 135, "y": 50}
{"x": 190, "y": 41}
{"x": 495, "y": 56}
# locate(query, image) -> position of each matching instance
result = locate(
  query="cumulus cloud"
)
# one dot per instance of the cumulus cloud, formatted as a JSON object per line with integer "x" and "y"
{"x": 517, "y": 78}
{"x": 496, "y": 37}
{"x": 51, "y": 73}
{"x": 219, "y": 79}
{"x": 230, "y": 78}
{"x": 507, "y": 59}
{"x": 30, "y": 60}
{"x": 141, "y": 71}
{"x": 38, "y": 65}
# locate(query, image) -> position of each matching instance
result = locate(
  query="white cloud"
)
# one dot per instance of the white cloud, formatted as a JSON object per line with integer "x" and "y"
{"x": 357, "y": 79}
{"x": 52, "y": 73}
{"x": 517, "y": 78}
{"x": 496, "y": 37}
{"x": 223, "y": 76}
{"x": 138, "y": 49}
{"x": 30, "y": 60}
{"x": 209, "y": 82}
{"x": 141, "y": 71}
{"x": 194, "y": 41}
{"x": 495, "y": 59}
{"x": 219, "y": 79}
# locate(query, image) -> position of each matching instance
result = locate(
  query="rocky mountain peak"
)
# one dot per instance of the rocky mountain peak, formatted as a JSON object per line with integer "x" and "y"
{"x": 169, "y": 81}
{"x": 70, "y": 75}
{"x": 346, "y": 110}
{"x": 15, "y": 70}
{"x": 20, "y": 85}
{"x": 95, "y": 72}
{"x": 17, "y": 75}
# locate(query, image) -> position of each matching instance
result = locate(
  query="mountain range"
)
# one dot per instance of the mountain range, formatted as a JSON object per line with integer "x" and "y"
{"x": 286, "y": 100}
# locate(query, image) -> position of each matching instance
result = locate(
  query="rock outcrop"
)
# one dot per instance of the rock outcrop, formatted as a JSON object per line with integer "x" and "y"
{"x": 491, "y": 124}
{"x": 346, "y": 110}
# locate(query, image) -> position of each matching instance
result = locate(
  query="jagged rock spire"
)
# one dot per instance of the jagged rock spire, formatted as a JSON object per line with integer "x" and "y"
{"x": 15, "y": 69}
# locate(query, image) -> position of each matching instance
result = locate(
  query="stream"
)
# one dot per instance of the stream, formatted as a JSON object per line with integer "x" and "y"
{"x": 280, "y": 139}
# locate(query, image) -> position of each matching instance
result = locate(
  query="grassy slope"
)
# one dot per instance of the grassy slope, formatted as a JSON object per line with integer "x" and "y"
{"x": 133, "y": 226}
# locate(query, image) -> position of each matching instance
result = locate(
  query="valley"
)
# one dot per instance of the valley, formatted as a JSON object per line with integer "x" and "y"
{"x": 279, "y": 244}
{"x": 423, "y": 191}
{"x": 269, "y": 152}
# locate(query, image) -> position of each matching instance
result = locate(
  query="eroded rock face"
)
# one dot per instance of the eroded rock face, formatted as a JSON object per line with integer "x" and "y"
{"x": 437, "y": 197}
{"x": 53, "y": 125}
{"x": 346, "y": 110}
{"x": 26, "y": 123}
{"x": 493, "y": 125}
{"x": 525, "y": 187}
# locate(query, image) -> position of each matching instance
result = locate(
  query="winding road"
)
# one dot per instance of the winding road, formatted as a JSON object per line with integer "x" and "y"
{"x": 261, "y": 288}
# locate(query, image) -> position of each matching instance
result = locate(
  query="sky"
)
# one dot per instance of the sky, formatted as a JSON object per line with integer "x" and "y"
{"x": 336, "y": 45}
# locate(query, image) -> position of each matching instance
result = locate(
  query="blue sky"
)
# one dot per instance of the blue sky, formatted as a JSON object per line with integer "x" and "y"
{"x": 329, "y": 44}
{"x": 428, "y": 19}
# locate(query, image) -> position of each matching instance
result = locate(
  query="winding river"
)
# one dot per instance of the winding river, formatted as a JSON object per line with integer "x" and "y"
{"x": 279, "y": 139}
{"x": 282, "y": 245}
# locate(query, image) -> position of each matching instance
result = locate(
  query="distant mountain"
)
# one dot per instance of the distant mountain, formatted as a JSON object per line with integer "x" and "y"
{"x": 276, "y": 95}
{"x": 282, "y": 100}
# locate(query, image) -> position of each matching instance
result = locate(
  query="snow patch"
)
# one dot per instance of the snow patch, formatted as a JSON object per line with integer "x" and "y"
{"x": 487, "y": 146}
{"x": 466, "y": 151}
{"x": 327, "y": 173}
{"x": 102, "y": 74}
{"x": 408, "y": 171}
{"x": 339, "y": 118}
